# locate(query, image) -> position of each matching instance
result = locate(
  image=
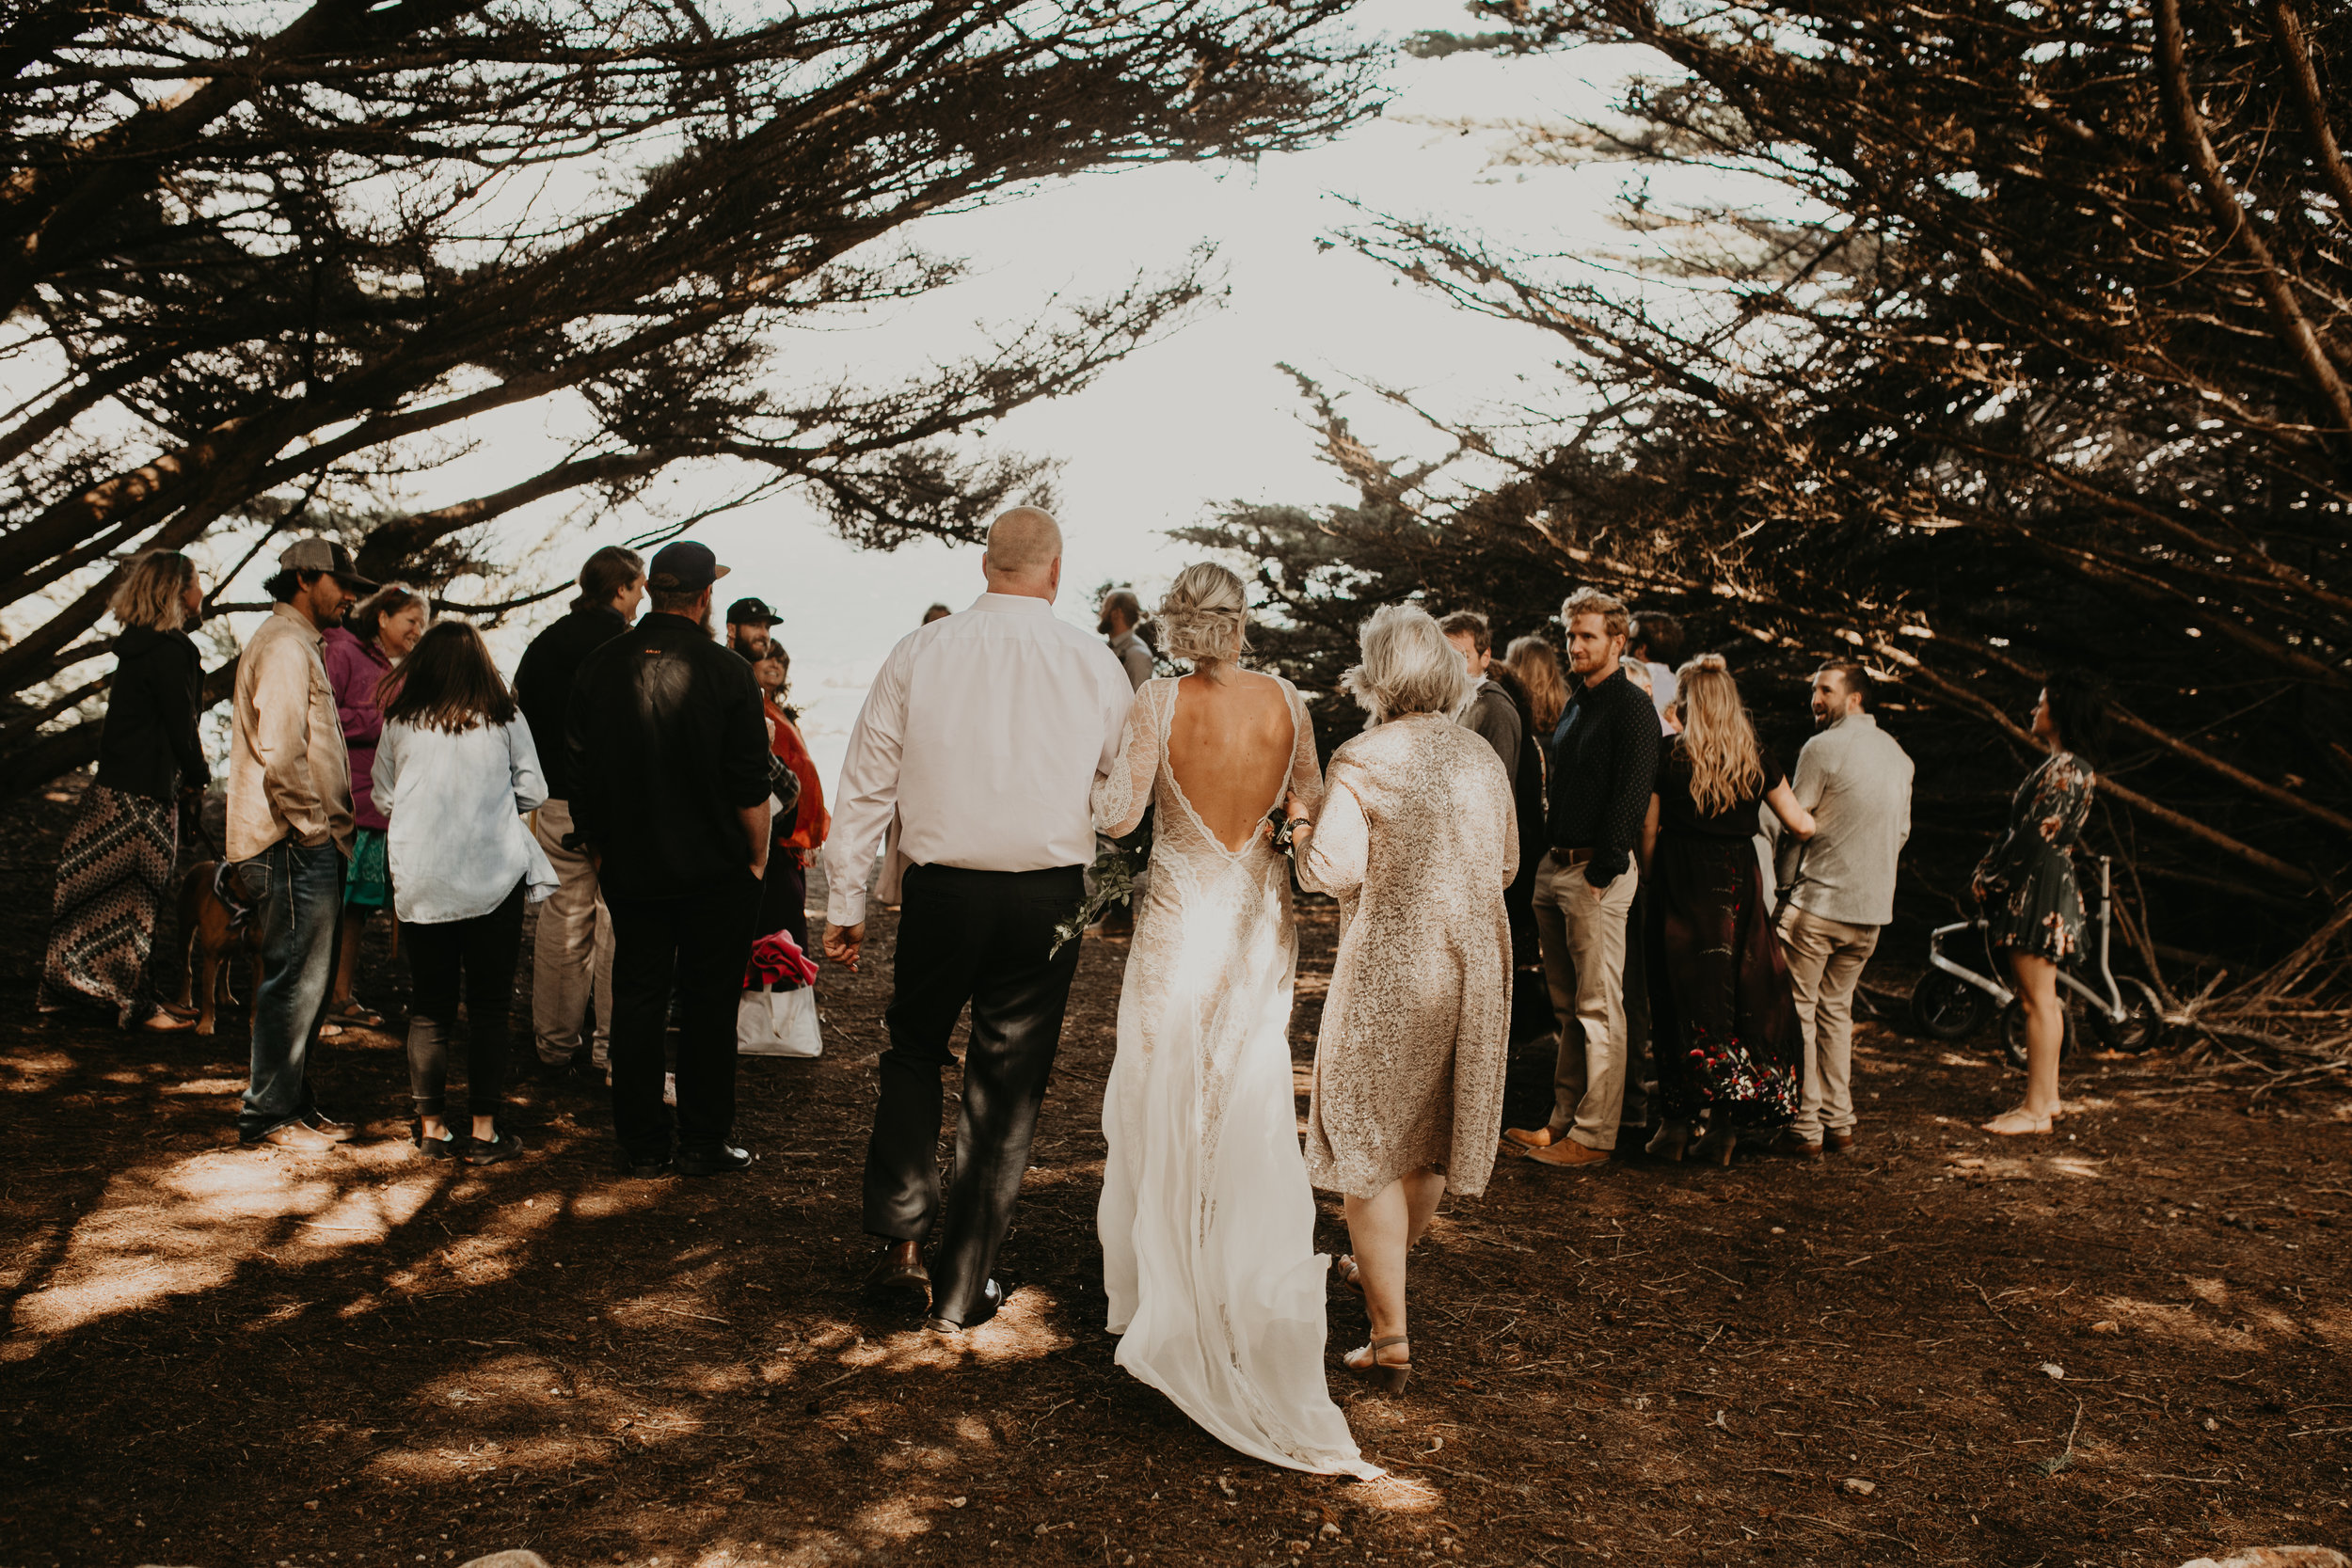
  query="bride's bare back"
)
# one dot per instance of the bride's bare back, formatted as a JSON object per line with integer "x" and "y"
{"x": 1229, "y": 745}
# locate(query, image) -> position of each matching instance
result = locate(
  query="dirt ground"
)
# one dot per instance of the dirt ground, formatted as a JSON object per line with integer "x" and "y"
{"x": 216, "y": 1356}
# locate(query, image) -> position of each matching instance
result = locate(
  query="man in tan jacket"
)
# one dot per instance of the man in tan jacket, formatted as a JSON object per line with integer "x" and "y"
{"x": 290, "y": 834}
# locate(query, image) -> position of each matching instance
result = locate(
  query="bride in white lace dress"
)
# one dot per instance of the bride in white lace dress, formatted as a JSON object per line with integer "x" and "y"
{"x": 1207, "y": 1219}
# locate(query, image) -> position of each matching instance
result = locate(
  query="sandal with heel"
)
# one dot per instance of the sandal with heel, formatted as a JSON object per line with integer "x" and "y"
{"x": 1349, "y": 1275}
{"x": 1386, "y": 1377}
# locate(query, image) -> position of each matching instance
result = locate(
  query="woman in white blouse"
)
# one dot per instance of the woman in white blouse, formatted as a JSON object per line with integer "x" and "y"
{"x": 457, "y": 758}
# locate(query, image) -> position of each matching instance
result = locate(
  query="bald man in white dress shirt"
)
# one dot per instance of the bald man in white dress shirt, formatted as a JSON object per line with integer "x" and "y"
{"x": 983, "y": 733}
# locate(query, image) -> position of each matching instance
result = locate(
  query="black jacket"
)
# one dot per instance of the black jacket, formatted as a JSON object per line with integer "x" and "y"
{"x": 1604, "y": 765}
{"x": 148, "y": 745}
{"x": 543, "y": 684}
{"x": 669, "y": 747}
{"x": 1527, "y": 769}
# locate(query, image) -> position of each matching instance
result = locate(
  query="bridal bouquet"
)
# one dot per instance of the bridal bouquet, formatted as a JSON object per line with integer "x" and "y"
{"x": 1111, "y": 880}
{"x": 778, "y": 963}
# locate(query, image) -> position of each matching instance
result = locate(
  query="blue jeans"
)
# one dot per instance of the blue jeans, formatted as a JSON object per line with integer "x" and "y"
{"x": 299, "y": 897}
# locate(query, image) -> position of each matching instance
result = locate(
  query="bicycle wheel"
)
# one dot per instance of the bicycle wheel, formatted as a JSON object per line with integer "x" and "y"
{"x": 1945, "y": 1007}
{"x": 2013, "y": 1034}
{"x": 2142, "y": 1028}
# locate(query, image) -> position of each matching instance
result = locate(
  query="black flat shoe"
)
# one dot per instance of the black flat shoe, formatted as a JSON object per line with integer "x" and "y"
{"x": 500, "y": 1145}
{"x": 450, "y": 1148}
{"x": 725, "y": 1160}
{"x": 992, "y": 1300}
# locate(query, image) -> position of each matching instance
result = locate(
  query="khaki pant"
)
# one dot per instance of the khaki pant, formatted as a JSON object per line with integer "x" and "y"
{"x": 572, "y": 949}
{"x": 1825, "y": 959}
{"x": 1581, "y": 931}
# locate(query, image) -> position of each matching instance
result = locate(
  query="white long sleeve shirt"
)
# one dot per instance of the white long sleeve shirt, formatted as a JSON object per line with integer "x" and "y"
{"x": 983, "y": 733}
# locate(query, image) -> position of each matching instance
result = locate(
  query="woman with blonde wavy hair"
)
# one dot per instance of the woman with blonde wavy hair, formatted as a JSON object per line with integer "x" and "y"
{"x": 1723, "y": 1016}
{"x": 1206, "y": 1216}
{"x": 118, "y": 856}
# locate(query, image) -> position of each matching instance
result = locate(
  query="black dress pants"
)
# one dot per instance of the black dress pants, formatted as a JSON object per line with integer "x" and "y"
{"x": 704, "y": 941}
{"x": 976, "y": 937}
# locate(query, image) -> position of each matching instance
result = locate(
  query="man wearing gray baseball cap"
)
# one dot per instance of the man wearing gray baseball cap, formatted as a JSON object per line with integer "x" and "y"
{"x": 290, "y": 834}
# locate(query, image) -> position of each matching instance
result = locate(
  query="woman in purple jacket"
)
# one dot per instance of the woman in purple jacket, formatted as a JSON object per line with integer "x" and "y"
{"x": 359, "y": 655}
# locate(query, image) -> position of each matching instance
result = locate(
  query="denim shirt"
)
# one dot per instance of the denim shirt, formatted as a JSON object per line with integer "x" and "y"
{"x": 457, "y": 843}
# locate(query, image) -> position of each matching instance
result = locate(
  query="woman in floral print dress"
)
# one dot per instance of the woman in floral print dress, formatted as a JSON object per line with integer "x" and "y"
{"x": 2026, "y": 885}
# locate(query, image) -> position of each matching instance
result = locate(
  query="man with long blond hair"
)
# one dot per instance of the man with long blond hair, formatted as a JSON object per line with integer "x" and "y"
{"x": 1605, "y": 761}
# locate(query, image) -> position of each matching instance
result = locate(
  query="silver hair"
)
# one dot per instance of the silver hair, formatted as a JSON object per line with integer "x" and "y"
{"x": 1409, "y": 665}
{"x": 1204, "y": 618}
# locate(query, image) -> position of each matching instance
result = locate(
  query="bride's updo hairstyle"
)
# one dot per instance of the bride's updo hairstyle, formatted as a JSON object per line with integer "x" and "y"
{"x": 1205, "y": 617}
{"x": 1408, "y": 667}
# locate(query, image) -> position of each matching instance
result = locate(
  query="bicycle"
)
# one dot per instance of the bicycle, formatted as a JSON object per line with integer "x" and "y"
{"x": 1950, "y": 1000}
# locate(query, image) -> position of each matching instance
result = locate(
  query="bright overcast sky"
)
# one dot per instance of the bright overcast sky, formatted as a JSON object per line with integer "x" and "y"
{"x": 1199, "y": 418}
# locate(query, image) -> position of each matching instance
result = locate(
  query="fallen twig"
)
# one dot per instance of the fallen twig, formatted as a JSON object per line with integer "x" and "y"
{"x": 1849, "y": 1529}
{"x": 1990, "y": 1307}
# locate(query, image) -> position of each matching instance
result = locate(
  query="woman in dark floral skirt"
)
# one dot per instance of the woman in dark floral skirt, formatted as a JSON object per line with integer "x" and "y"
{"x": 1722, "y": 1018}
{"x": 2026, "y": 884}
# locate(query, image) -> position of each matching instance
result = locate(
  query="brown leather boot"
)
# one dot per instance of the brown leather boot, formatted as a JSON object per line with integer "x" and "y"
{"x": 1837, "y": 1140}
{"x": 1788, "y": 1142}
{"x": 1567, "y": 1155}
{"x": 901, "y": 1268}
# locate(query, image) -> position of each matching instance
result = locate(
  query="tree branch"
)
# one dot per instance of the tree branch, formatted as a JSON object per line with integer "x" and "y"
{"x": 2229, "y": 215}
{"x": 2294, "y": 53}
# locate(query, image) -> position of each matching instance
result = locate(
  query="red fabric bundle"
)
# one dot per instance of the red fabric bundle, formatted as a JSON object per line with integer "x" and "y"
{"x": 778, "y": 963}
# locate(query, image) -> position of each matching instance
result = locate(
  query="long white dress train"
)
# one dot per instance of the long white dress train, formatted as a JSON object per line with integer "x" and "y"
{"x": 1207, "y": 1219}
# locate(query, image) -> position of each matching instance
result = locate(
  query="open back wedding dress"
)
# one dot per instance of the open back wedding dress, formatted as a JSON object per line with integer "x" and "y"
{"x": 1207, "y": 1219}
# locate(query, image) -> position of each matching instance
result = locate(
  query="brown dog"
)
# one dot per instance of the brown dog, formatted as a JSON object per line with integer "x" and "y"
{"x": 215, "y": 932}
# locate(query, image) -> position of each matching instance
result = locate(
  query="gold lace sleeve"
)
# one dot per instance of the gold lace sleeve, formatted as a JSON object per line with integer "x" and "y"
{"x": 1122, "y": 794}
{"x": 1340, "y": 849}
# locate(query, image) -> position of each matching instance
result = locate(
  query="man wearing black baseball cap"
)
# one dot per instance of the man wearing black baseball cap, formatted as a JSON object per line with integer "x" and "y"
{"x": 748, "y": 621}
{"x": 668, "y": 777}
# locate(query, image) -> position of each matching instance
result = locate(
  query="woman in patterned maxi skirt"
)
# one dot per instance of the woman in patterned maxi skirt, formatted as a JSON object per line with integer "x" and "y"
{"x": 118, "y": 859}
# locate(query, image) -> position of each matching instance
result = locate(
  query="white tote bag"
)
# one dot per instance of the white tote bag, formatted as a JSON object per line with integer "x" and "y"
{"x": 778, "y": 1024}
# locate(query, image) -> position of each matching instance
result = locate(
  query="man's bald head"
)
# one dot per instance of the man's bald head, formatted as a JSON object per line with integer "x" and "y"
{"x": 1024, "y": 553}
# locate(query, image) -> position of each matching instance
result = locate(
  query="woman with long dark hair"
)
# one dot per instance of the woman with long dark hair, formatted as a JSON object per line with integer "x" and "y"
{"x": 2027, "y": 882}
{"x": 1722, "y": 1015}
{"x": 359, "y": 655}
{"x": 118, "y": 858}
{"x": 455, "y": 771}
